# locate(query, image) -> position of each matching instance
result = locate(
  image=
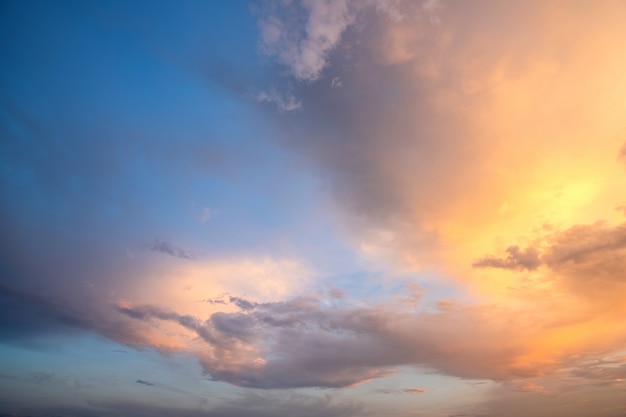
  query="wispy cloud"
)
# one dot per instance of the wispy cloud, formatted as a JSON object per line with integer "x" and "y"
{"x": 141, "y": 381}
{"x": 168, "y": 248}
{"x": 516, "y": 259}
{"x": 414, "y": 390}
{"x": 284, "y": 102}
{"x": 304, "y": 50}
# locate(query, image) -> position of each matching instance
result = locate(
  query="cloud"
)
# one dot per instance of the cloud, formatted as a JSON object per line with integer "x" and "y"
{"x": 425, "y": 144}
{"x": 248, "y": 405}
{"x": 42, "y": 378}
{"x": 302, "y": 35}
{"x": 168, "y": 248}
{"x": 575, "y": 247}
{"x": 304, "y": 50}
{"x": 604, "y": 370}
{"x": 35, "y": 318}
{"x": 414, "y": 390}
{"x": 585, "y": 258}
{"x": 444, "y": 141}
{"x": 516, "y": 259}
{"x": 450, "y": 141}
{"x": 284, "y": 102}
{"x": 553, "y": 396}
{"x": 300, "y": 343}
{"x": 582, "y": 244}
{"x": 141, "y": 381}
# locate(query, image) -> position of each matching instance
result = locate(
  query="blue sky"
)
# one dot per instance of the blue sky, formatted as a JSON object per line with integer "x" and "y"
{"x": 315, "y": 207}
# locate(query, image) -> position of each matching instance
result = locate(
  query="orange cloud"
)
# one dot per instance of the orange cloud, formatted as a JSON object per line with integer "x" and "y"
{"x": 485, "y": 146}
{"x": 491, "y": 138}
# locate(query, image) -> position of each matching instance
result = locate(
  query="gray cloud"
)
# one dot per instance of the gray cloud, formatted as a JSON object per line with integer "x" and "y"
{"x": 33, "y": 316}
{"x": 387, "y": 154}
{"x": 588, "y": 259}
{"x": 516, "y": 259}
{"x": 141, "y": 381}
{"x": 36, "y": 317}
{"x": 395, "y": 152}
{"x": 168, "y": 248}
{"x": 304, "y": 50}
{"x": 581, "y": 244}
{"x": 605, "y": 372}
{"x": 400, "y": 143}
{"x": 42, "y": 378}
{"x": 301, "y": 343}
{"x": 554, "y": 398}
{"x": 267, "y": 405}
{"x": 284, "y": 102}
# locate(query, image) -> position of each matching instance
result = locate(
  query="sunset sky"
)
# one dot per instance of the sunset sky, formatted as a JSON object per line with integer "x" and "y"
{"x": 303, "y": 208}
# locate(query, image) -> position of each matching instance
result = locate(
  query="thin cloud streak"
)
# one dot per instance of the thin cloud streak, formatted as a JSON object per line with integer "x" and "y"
{"x": 168, "y": 248}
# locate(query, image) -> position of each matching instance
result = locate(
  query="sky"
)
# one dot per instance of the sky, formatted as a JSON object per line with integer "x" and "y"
{"x": 337, "y": 208}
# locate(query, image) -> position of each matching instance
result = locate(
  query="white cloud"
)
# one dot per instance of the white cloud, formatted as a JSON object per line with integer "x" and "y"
{"x": 304, "y": 50}
{"x": 284, "y": 102}
{"x": 336, "y": 83}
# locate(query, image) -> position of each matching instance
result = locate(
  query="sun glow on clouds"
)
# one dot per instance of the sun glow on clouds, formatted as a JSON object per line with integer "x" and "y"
{"x": 477, "y": 147}
{"x": 530, "y": 152}
{"x": 202, "y": 286}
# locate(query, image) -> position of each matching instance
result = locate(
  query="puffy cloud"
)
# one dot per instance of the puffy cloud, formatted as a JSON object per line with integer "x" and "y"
{"x": 442, "y": 139}
{"x": 301, "y": 343}
{"x": 303, "y": 34}
{"x": 304, "y": 50}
